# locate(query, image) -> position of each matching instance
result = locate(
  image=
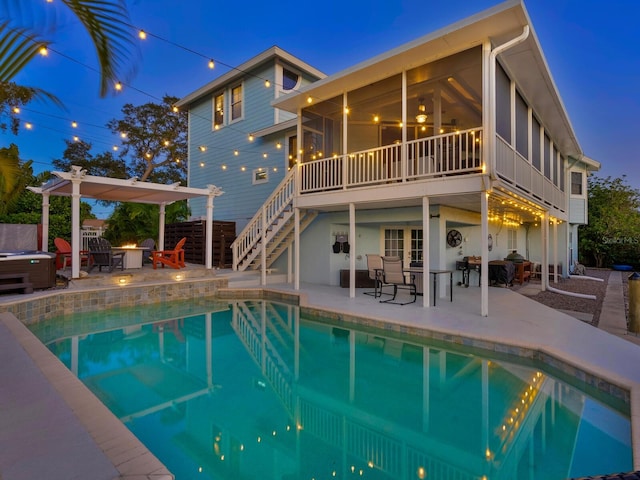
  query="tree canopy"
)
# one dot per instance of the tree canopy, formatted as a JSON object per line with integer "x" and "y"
{"x": 613, "y": 233}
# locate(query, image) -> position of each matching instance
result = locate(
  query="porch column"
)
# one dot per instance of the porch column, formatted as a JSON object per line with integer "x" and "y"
{"x": 544, "y": 268}
{"x": 45, "y": 221}
{"x": 209, "y": 234}
{"x": 161, "y": 227}
{"x": 296, "y": 239}
{"x": 484, "y": 248}
{"x": 426, "y": 260}
{"x": 75, "y": 227}
{"x": 555, "y": 250}
{"x": 352, "y": 254}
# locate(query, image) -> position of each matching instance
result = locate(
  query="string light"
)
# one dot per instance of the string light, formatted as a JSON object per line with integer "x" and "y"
{"x": 43, "y": 51}
{"x": 142, "y": 34}
{"x": 74, "y": 124}
{"x": 118, "y": 86}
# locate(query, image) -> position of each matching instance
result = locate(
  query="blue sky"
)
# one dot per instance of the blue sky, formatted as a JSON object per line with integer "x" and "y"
{"x": 590, "y": 46}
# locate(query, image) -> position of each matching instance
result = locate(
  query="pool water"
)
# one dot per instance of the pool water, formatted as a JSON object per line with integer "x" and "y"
{"x": 248, "y": 389}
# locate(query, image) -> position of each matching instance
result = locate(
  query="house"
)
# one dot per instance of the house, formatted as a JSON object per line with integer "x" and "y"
{"x": 456, "y": 144}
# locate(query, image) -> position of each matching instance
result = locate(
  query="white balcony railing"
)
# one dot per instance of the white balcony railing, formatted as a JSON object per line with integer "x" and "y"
{"x": 453, "y": 153}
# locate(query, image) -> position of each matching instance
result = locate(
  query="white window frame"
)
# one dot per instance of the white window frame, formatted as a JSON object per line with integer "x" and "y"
{"x": 512, "y": 239}
{"x": 280, "y": 68}
{"x": 582, "y": 184}
{"x": 213, "y": 109}
{"x": 231, "y": 103}
{"x": 259, "y": 176}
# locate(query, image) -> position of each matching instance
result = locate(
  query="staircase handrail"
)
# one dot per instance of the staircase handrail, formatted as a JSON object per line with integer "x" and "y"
{"x": 281, "y": 196}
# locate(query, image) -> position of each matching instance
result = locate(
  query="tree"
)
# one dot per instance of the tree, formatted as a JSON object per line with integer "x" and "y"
{"x": 614, "y": 223}
{"x": 108, "y": 26}
{"x": 133, "y": 222}
{"x": 26, "y": 208}
{"x": 155, "y": 141}
{"x": 106, "y": 22}
{"x": 101, "y": 165}
{"x": 14, "y": 176}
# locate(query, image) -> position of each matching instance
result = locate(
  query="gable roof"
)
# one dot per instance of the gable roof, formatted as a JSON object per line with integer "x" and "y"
{"x": 244, "y": 69}
{"x": 525, "y": 64}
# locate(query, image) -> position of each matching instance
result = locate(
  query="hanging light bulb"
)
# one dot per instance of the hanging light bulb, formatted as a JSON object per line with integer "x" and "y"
{"x": 118, "y": 86}
{"x": 43, "y": 51}
{"x": 267, "y": 83}
{"x": 421, "y": 117}
{"x": 142, "y": 35}
{"x": 212, "y": 64}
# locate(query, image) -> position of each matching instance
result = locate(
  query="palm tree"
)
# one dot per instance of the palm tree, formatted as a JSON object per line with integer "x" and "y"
{"x": 106, "y": 22}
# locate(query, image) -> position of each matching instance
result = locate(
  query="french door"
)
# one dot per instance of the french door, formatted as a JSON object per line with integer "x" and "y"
{"x": 405, "y": 242}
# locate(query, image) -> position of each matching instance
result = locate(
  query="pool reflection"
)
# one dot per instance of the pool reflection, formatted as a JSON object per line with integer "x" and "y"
{"x": 248, "y": 388}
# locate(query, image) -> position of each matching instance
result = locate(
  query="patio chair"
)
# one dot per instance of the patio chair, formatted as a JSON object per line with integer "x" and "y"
{"x": 172, "y": 258}
{"x": 101, "y": 255}
{"x": 64, "y": 255}
{"x": 149, "y": 245}
{"x": 374, "y": 265}
{"x": 393, "y": 274}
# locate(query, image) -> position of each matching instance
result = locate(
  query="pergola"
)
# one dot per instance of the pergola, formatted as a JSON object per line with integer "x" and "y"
{"x": 77, "y": 184}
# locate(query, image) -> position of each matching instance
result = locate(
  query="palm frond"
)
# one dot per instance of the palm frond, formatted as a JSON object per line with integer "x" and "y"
{"x": 17, "y": 48}
{"x": 107, "y": 23}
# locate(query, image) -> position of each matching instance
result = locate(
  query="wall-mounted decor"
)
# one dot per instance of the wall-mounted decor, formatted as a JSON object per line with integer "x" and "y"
{"x": 454, "y": 238}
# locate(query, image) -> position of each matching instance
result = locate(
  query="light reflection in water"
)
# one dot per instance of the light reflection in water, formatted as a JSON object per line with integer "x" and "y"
{"x": 229, "y": 390}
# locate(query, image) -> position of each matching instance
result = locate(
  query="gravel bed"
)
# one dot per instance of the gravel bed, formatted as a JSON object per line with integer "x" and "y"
{"x": 583, "y": 286}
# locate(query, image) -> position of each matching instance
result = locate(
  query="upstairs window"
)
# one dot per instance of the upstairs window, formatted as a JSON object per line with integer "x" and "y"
{"x": 576, "y": 183}
{"x": 290, "y": 80}
{"x": 218, "y": 110}
{"x": 236, "y": 103}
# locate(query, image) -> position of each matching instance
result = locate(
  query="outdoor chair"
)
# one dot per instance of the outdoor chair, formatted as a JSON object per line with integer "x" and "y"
{"x": 101, "y": 255}
{"x": 149, "y": 245}
{"x": 374, "y": 265}
{"x": 64, "y": 255}
{"x": 172, "y": 258}
{"x": 393, "y": 274}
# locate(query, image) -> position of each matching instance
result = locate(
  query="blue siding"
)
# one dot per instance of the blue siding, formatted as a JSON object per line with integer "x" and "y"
{"x": 241, "y": 199}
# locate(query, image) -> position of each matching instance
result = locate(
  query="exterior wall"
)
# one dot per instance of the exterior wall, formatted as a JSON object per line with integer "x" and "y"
{"x": 219, "y": 165}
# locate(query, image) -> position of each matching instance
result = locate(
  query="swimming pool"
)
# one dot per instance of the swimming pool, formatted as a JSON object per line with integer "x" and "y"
{"x": 249, "y": 389}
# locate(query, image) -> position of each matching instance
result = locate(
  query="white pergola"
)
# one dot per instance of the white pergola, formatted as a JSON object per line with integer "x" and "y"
{"x": 77, "y": 184}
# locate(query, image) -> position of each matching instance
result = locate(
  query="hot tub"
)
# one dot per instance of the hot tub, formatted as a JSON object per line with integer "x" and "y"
{"x": 41, "y": 266}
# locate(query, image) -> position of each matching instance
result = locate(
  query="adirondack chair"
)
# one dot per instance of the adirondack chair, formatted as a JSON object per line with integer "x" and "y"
{"x": 172, "y": 258}
{"x": 63, "y": 254}
{"x": 101, "y": 255}
{"x": 149, "y": 245}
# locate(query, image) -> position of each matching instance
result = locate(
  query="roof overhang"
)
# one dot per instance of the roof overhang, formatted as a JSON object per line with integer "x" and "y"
{"x": 241, "y": 71}
{"x": 524, "y": 62}
{"x": 278, "y": 127}
{"x": 114, "y": 189}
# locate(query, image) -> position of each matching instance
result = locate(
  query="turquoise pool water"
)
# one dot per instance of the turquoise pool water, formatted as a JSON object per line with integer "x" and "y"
{"x": 248, "y": 389}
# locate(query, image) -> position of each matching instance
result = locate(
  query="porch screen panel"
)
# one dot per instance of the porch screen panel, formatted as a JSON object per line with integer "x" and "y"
{"x": 535, "y": 143}
{"x": 547, "y": 156}
{"x": 522, "y": 126}
{"x": 394, "y": 242}
{"x": 503, "y": 104}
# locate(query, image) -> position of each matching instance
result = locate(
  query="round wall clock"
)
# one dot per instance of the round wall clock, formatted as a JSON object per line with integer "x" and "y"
{"x": 454, "y": 238}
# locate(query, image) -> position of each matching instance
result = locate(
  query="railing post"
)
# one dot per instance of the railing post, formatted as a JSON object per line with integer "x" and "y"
{"x": 345, "y": 159}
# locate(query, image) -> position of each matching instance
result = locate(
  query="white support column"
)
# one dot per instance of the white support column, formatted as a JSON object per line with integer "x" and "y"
{"x": 352, "y": 251}
{"x": 161, "y": 221}
{"x": 426, "y": 260}
{"x": 75, "y": 228}
{"x": 296, "y": 236}
{"x": 484, "y": 248}
{"x": 45, "y": 221}
{"x": 289, "y": 264}
{"x": 209, "y": 234}
{"x": 544, "y": 269}
{"x": 555, "y": 250}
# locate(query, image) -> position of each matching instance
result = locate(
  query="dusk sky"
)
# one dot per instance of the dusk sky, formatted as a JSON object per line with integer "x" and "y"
{"x": 590, "y": 47}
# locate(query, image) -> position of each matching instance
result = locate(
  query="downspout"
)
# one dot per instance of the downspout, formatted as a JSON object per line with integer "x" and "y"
{"x": 492, "y": 91}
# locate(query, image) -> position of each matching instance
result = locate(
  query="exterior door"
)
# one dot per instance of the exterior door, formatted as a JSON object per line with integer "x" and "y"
{"x": 405, "y": 242}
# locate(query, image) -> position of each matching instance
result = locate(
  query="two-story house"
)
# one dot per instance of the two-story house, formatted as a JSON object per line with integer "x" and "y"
{"x": 456, "y": 144}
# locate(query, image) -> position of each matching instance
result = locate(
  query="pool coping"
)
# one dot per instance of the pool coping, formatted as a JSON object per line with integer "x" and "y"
{"x": 600, "y": 378}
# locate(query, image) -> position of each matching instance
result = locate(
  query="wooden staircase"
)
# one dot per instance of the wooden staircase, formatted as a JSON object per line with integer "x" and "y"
{"x": 272, "y": 225}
